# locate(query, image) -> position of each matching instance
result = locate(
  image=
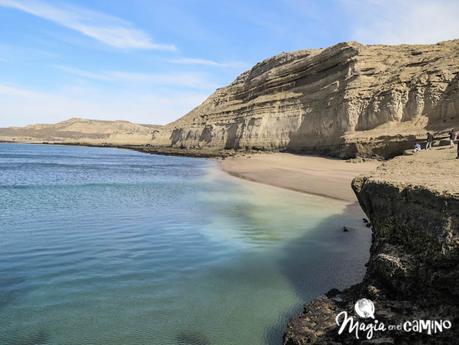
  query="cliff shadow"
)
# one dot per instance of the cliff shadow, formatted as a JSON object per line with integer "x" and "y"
{"x": 233, "y": 138}
{"x": 447, "y": 108}
{"x": 341, "y": 263}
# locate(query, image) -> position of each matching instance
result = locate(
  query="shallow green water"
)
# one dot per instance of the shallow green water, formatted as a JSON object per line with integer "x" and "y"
{"x": 107, "y": 246}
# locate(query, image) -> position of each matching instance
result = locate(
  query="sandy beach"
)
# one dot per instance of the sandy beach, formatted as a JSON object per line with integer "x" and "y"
{"x": 308, "y": 174}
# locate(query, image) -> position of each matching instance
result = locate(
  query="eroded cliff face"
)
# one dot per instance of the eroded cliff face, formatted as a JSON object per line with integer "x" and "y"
{"x": 346, "y": 100}
{"x": 413, "y": 271}
{"x": 343, "y": 100}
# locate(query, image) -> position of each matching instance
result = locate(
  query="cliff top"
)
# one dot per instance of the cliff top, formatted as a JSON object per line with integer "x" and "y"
{"x": 436, "y": 169}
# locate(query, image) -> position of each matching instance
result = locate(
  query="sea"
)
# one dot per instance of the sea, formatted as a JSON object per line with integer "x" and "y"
{"x": 105, "y": 246}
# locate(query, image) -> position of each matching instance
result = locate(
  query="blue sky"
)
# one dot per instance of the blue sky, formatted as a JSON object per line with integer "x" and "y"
{"x": 152, "y": 61}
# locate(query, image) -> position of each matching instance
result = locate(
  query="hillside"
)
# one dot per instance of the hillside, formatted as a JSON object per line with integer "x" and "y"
{"x": 344, "y": 100}
{"x": 82, "y": 131}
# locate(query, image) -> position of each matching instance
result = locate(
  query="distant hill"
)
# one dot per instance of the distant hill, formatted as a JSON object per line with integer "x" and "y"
{"x": 83, "y": 131}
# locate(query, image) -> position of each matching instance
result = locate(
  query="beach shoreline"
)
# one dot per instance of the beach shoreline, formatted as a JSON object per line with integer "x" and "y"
{"x": 315, "y": 175}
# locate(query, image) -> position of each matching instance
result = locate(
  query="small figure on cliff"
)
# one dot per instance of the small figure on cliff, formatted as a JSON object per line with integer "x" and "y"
{"x": 456, "y": 138}
{"x": 430, "y": 139}
{"x": 452, "y": 138}
{"x": 417, "y": 147}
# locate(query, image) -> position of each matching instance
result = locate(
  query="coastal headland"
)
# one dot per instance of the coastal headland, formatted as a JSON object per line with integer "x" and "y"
{"x": 347, "y": 101}
{"x": 412, "y": 203}
{"x": 413, "y": 272}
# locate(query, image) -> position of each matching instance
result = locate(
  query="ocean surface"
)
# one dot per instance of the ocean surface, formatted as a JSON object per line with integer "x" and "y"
{"x": 102, "y": 246}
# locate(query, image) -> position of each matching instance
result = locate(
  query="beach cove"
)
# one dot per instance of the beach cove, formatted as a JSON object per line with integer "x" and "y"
{"x": 112, "y": 246}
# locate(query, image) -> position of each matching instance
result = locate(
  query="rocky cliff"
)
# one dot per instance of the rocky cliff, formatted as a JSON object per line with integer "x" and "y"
{"x": 413, "y": 271}
{"x": 344, "y": 100}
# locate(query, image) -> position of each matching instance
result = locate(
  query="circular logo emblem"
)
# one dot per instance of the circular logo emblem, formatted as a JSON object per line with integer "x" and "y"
{"x": 365, "y": 308}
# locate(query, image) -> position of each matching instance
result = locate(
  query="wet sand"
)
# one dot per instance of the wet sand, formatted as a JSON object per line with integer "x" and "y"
{"x": 308, "y": 174}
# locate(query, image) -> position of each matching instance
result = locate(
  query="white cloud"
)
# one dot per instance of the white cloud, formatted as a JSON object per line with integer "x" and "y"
{"x": 84, "y": 74}
{"x": 107, "y": 29}
{"x": 24, "y": 106}
{"x": 190, "y": 80}
{"x": 206, "y": 62}
{"x": 403, "y": 21}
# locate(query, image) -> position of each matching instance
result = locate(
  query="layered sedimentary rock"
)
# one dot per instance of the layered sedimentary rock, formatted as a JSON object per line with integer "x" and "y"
{"x": 344, "y": 100}
{"x": 413, "y": 271}
{"x": 83, "y": 131}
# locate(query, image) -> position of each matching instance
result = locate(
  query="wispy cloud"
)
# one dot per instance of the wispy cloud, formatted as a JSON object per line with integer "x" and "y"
{"x": 190, "y": 80}
{"x": 206, "y": 62}
{"x": 101, "y": 76}
{"x": 403, "y": 21}
{"x": 107, "y": 29}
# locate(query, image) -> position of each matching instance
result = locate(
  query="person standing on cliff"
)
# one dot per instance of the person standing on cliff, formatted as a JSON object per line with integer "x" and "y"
{"x": 457, "y": 141}
{"x": 452, "y": 138}
{"x": 430, "y": 139}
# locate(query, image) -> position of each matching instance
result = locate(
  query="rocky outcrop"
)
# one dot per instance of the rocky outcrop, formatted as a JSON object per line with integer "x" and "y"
{"x": 83, "y": 131}
{"x": 344, "y": 100}
{"x": 413, "y": 271}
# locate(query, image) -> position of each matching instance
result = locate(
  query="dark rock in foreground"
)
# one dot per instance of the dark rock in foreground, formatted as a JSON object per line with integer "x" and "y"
{"x": 413, "y": 271}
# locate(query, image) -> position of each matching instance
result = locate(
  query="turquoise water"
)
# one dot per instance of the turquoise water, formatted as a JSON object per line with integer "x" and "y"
{"x": 109, "y": 246}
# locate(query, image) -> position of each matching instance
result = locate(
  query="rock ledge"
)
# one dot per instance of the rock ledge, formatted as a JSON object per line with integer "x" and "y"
{"x": 413, "y": 271}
